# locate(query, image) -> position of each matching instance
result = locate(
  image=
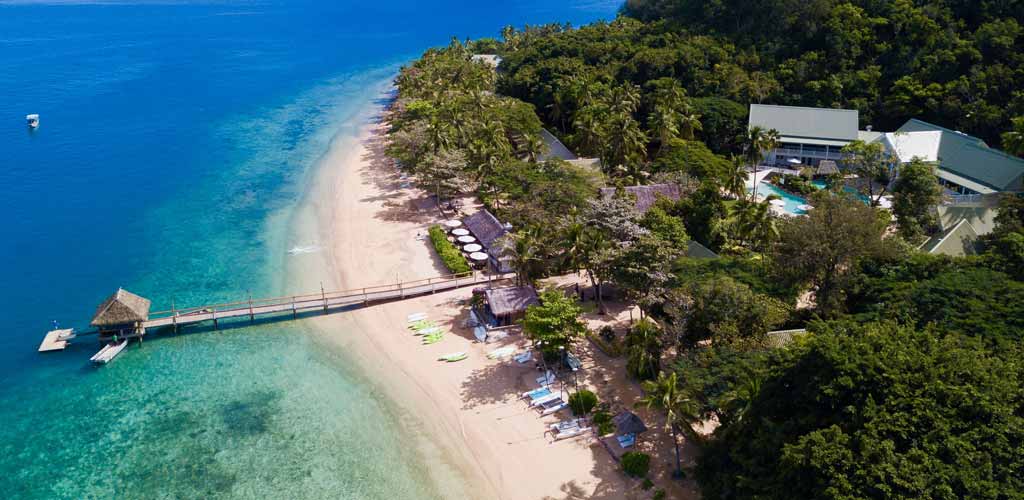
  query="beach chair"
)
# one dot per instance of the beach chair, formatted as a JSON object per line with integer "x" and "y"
{"x": 546, "y": 379}
{"x": 552, "y": 406}
{"x": 433, "y": 339}
{"x": 537, "y": 393}
{"x": 524, "y": 357}
{"x": 541, "y": 401}
{"x": 626, "y": 441}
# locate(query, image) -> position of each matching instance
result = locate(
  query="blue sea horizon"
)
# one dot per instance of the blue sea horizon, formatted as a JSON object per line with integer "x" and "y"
{"x": 176, "y": 140}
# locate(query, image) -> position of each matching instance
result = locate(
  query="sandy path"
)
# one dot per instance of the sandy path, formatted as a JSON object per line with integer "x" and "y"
{"x": 469, "y": 410}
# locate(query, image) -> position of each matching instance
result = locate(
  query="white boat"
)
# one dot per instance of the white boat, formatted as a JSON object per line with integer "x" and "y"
{"x": 108, "y": 352}
{"x": 33, "y": 120}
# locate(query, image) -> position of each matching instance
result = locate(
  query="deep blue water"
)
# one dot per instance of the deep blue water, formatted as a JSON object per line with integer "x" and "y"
{"x": 175, "y": 140}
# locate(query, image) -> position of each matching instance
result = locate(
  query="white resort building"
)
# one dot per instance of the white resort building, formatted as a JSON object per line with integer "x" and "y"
{"x": 808, "y": 135}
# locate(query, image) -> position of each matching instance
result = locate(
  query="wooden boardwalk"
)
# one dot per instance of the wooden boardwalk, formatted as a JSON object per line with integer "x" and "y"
{"x": 323, "y": 301}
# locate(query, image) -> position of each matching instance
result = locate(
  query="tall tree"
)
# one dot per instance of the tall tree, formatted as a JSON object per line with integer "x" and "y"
{"x": 665, "y": 395}
{"x": 873, "y": 164}
{"x": 1013, "y": 141}
{"x": 760, "y": 141}
{"x": 916, "y": 192}
{"x": 819, "y": 249}
{"x": 553, "y": 324}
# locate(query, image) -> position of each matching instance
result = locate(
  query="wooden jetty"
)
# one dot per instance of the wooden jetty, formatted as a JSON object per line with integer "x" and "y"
{"x": 56, "y": 340}
{"x": 125, "y": 316}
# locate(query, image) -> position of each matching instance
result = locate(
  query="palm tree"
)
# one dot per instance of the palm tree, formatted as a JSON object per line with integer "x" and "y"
{"x": 664, "y": 125}
{"x": 522, "y": 249}
{"x": 680, "y": 410}
{"x": 759, "y": 142}
{"x": 740, "y": 400}
{"x": 573, "y": 241}
{"x": 736, "y": 179}
{"x": 689, "y": 120}
{"x": 1013, "y": 141}
{"x": 755, "y": 222}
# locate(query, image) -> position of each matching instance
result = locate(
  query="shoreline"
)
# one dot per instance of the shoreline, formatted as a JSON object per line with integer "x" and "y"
{"x": 476, "y": 438}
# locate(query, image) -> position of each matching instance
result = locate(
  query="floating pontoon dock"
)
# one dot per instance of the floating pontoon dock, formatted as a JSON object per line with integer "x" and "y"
{"x": 125, "y": 316}
{"x": 56, "y": 340}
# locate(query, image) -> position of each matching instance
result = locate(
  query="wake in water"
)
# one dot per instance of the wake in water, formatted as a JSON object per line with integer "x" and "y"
{"x": 301, "y": 249}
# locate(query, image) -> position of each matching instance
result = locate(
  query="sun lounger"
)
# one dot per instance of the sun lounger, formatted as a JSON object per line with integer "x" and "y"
{"x": 417, "y": 317}
{"x": 565, "y": 425}
{"x": 627, "y": 440}
{"x": 553, "y": 406}
{"x": 546, "y": 379}
{"x": 546, "y": 399}
{"x": 428, "y": 331}
{"x": 422, "y": 325}
{"x": 501, "y": 352}
{"x": 537, "y": 393}
{"x": 524, "y": 357}
{"x": 453, "y": 356}
{"x": 432, "y": 339}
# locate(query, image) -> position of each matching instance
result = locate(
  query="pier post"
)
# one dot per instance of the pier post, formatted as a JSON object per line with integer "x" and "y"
{"x": 252, "y": 317}
{"x": 214, "y": 313}
{"x": 295, "y": 314}
{"x": 401, "y": 292}
{"x": 323, "y": 296}
{"x": 432, "y": 285}
{"x": 366, "y": 300}
{"x": 174, "y": 317}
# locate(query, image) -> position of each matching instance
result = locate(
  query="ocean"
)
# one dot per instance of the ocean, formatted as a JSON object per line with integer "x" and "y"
{"x": 176, "y": 140}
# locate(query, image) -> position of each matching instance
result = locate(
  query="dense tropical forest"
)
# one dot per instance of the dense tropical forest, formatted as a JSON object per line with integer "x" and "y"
{"x": 908, "y": 384}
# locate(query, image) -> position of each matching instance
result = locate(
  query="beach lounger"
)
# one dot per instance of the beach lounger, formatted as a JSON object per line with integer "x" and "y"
{"x": 553, "y": 406}
{"x": 433, "y": 339}
{"x": 524, "y": 357}
{"x": 627, "y": 440}
{"x": 546, "y": 379}
{"x": 428, "y": 331}
{"x": 417, "y": 317}
{"x": 501, "y": 352}
{"x": 541, "y": 401}
{"x": 422, "y": 325}
{"x": 537, "y": 393}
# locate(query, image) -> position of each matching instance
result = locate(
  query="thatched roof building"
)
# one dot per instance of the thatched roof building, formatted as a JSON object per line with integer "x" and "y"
{"x": 646, "y": 196}
{"x": 510, "y": 302}
{"x": 827, "y": 167}
{"x": 121, "y": 308}
{"x": 628, "y": 422}
{"x": 485, "y": 227}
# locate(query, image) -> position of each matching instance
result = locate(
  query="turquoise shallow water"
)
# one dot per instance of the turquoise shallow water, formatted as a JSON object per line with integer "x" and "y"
{"x": 177, "y": 140}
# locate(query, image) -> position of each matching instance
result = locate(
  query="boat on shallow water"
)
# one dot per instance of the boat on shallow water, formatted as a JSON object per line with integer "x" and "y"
{"x": 33, "y": 120}
{"x": 108, "y": 352}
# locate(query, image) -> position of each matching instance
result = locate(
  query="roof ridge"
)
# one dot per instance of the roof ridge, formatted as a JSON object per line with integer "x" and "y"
{"x": 944, "y": 129}
{"x": 805, "y": 107}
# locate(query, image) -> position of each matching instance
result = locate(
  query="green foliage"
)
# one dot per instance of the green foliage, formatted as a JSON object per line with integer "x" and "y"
{"x": 747, "y": 271}
{"x": 450, "y": 255}
{"x": 665, "y": 227}
{"x": 915, "y": 194}
{"x": 636, "y": 464}
{"x": 605, "y": 428}
{"x": 703, "y": 213}
{"x": 582, "y": 402}
{"x": 876, "y": 411}
{"x": 951, "y": 295}
{"x": 797, "y": 184}
{"x": 659, "y": 495}
{"x": 723, "y": 310}
{"x": 612, "y": 348}
{"x": 713, "y": 374}
{"x": 554, "y": 323}
{"x": 873, "y": 165}
{"x": 818, "y": 249}
{"x": 647, "y": 484}
{"x": 644, "y": 346}
{"x": 692, "y": 158}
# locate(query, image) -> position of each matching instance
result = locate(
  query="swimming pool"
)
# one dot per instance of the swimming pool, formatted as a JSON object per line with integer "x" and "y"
{"x": 820, "y": 184}
{"x": 793, "y": 202}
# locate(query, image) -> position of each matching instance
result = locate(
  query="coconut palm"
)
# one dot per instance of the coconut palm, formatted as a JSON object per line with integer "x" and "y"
{"x": 573, "y": 241}
{"x": 736, "y": 179}
{"x": 523, "y": 250}
{"x": 759, "y": 142}
{"x": 740, "y": 400}
{"x": 664, "y": 124}
{"x": 681, "y": 412}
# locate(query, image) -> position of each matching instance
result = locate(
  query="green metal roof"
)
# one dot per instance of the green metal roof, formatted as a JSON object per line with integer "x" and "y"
{"x": 958, "y": 241}
{"x": 970, "y": 158}
{"x": 809, "y": 123}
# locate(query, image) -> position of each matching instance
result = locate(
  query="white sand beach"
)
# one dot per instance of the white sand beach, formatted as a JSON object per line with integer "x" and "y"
{"x": 469, "y": 410}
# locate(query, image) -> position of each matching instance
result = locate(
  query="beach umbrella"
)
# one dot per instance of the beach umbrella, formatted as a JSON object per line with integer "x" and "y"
{"x": 778, "y": 203}
{"x": 466, "y": 239}
{"x": 478, "y": 256}
{"x": 472, "y": 247}
{"x": 460, "y": 232}
{"x": 452, "y": 224}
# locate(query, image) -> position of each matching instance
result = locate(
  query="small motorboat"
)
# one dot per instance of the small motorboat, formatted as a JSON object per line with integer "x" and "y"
{"x": 33, "y": 120}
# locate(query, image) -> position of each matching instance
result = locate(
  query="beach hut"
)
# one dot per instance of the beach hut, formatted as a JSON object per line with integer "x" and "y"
{"x": 628, "y": 427}
{"x": 122, "y": 314}
{"x": 826, "y": 168}
{"x": 488, "y": 231}
{"x": 506, "y": 305}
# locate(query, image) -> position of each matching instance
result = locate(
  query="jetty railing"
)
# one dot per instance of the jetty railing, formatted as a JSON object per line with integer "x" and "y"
{"x": 323, "y": 300}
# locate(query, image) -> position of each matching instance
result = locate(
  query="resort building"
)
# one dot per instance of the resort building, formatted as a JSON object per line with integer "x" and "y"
{"x": 490, "y": 233}
{"x": 121, "y": 315}
{"x": 808, "y": 135}
{"x": 554, "y": 148}
{"x": 967, "y": 168}
{"x": 503, "y": 306}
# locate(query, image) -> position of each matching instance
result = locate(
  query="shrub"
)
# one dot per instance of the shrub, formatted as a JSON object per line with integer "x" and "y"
{"x": 659, "y": 495}
{"x": 582, "y": 402}
{"x": 612, "y": 348}
{"x": 647, "y": 484}
{"x": 605, "y": 428}
{"x": 448, "y": 252}
{"x": 636, "y": 464}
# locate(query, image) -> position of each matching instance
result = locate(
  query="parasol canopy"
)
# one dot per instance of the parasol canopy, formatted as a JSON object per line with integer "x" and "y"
{"x": 460, "y": 232}
{"x": 472, "y": 247}
{"x": 478, "y": 256}
{"x": 466, "y": 239}
{"x": 452, "y": 223}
